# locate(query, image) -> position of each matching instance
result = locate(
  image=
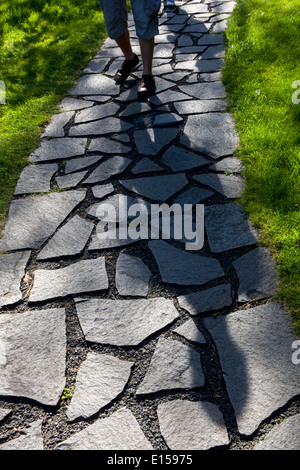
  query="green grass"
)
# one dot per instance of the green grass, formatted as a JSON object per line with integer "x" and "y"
{"x": 44, "y": 46}
{"x": 262, "y": 63}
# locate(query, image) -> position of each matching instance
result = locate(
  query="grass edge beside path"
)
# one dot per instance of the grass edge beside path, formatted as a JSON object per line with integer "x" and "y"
{"x": 261, "y": 65}
{"x": 44, "y": 48}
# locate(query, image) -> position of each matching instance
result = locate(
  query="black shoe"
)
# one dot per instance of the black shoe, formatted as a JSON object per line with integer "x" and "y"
{"x": 146, "y": 87}
{"x": 125, "y": 69}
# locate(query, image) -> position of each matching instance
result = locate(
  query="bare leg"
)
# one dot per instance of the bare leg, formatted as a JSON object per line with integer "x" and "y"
{"x": 125, "y": 45}
{"x": 147, "y": 55}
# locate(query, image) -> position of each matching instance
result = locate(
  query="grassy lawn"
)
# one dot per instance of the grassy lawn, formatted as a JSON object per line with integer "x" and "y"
{"x": 44, "y": 46}
{"x": 262, "y": 64}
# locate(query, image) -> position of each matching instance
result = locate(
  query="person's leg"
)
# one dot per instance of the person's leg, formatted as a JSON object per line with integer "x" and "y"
{"x": 125, "y": 45}
{"x": 147, "y": 48}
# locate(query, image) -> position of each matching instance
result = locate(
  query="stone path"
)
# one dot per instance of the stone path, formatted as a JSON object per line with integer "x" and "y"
{"x": 142, "y": 344}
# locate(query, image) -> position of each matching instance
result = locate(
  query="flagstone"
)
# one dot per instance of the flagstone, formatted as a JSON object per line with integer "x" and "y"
{"x": 119, "y": 431}
{"x": 200, "y": 106}
{"x": 71, "y": 180}
{"x": 173, "y": 366}
{"x": 135, "y": 108}
{"x": 96, "y": 112}
{"x": 201, "y": 65}
{"x": 207, "y": 300}
{"x": 157, "y": 188}
{"x": 205, "y": 91}
{"x": 228, "y": 164}
{"x": 100, "y": 379}
{"x": 211, "y": 133}
{"x": 179, "y": 267}
{"x": 231, "y": 186}
{"x": 95, "y": 84}
{"x": 12, "y": 270}
{"x": 283, "y": 436}
{"x": 108, "y": 168}
{"x": 145, "y": 165}
{"x": 59, "y": 148}
{"x": 166, "y": 119}
{"x": 254, "y": 348}
{"x": 30, "y": 439}
{"x": 33, "y": 354}
{"x": 151, "y": 141}
{"x": 132, "y": 276}
{"x": 81, "y": 163}
{"x": 227, "y": 228}
{"x": 257, "y": 275}
{"x": 31, "y": 221}
{"x": 101, "y": 127}
{"x": 179, "y": 159}
{"x": 190, "y": 332}
{"x": 36, "y": 179}
{"x": 123, "y": 322}
{"x": 168, "y": 96}
{"x": 96, "y": 66}
{"x": 82, "y": 276}
{"x": 105, "y": 145}
{"x": 211, "y": 39}
{"x": 102, "y": 190}
{"x": 56, "y": 126}
{"x": 192, "y": 425}
{"x": 193, "y": 195}
{"x": 73, "y": 104}
{"x": 214, "y": 52}
{"x": 69, "y": 240}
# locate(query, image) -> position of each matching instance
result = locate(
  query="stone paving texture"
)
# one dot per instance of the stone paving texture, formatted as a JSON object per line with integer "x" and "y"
{"x": 110, "y": 341}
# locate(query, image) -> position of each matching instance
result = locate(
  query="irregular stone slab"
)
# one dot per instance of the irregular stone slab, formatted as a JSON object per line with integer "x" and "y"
{"x": 146, "y": 166}
{"x": 56, "y": 126}
{"x": 81, "y": 163}
{"x": 183, "y": 268}
{"x": 96, "y": 66}
{"x": 69, "y": 240}
{"x": 212, "y": 133}
{"x": 101, "y": 127}
{"x": 228, "y": 164}
{"x": 166, "y": 119}
{"x": 72, "y": 104}
{"x": 230, "y": 186}
{"x": 71, "y": 180}
{"x": 197, "y": 28}
{"x": 211, "y": 39}
{"x": 157, "y": 188}
{"x": 100, "y": 379}
{"x": 174, "y": 365}
{"x": 192, "y": 9}
{"x": 33, "y": 354}
{"x": 107, "y": 146}
{"x": 163, "y": 50}
{"x": 123, "y": 322}
{"x": 254, "y": 348}
{"x": 165, "y": 38}
{"x": 226, "y": 7}
{"x": 120, "y": 431}
{"x": 83, "y": 276}
{"x": 58, "y": 149}
{"x": 4, "y": 413}
{"x": 30, "y": 439}
{"x": 135, "y": 108}
{"x": 257, "y": 275}
{"x": 108, "y": 168}
{"x": 108, "y": 239}
{"x": 193, "y": 196}
{"x": 36, "y": 179}
{"x": 200, "y": 106}
{"x": 95, "y": 84}
{"x": 12, "y": 270}
{"x": 168, "y": 96}
{"x": 220, "y": 27}
{"x": 190, "y": 332}
{"x": 102, "y": 190}
{"x": 185, "y": 57}
{"x": 97, "y": 112}
{"x": 211, "y": 77}
{"x": 191, "y": 425}
{"x": 214, "y": 52}
{"x": 189, "y": 50}
{"x": 184, "y": 40}
{"x": 132, "y": 276}
{"x": 201, "y": 65}
{"x": 33, "y": 220}
{"x": 176, "y": 76}
{"x": 227, "y": 228}
{"x": 207, "y": 300}
{"x": 151, "y": 141}
{"x": 179, "y": 159}
{"x": 284, "y": 436}
{"x": 119, "y": 205}
{"x": 205, "y": 91}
